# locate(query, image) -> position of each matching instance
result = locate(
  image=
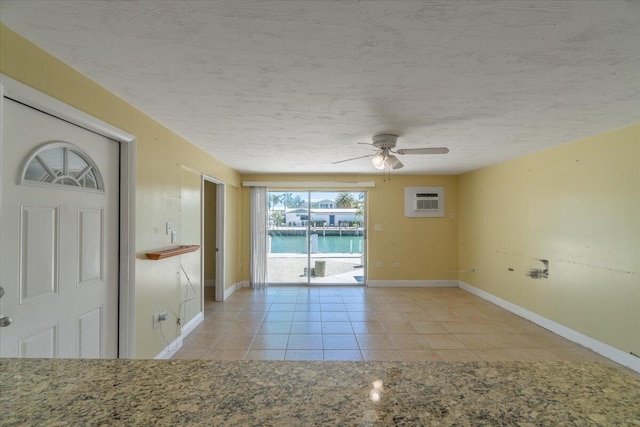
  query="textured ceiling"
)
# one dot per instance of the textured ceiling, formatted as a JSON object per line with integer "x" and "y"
{"x": 291, "y": 86}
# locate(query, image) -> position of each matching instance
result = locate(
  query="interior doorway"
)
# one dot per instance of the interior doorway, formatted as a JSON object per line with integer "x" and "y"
{"x": 213, "y": 238}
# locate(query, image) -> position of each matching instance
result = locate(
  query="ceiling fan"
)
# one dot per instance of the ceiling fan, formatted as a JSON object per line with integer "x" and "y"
{"x": 384, "y": 155}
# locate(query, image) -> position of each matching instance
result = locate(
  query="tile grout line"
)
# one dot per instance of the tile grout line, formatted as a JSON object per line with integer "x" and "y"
{"x": 457, "y": 309}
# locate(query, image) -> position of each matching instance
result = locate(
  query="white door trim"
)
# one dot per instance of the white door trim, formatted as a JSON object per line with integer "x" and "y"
{"x": 220, "y": 240}
{"x": 17, "y": 91}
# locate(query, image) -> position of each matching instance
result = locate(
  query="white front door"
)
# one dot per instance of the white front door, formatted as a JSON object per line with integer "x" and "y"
{"x": 59, "y": 260}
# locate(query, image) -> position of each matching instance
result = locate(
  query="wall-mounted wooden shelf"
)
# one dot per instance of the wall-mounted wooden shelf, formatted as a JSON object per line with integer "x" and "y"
{"x": 175, "y": 251}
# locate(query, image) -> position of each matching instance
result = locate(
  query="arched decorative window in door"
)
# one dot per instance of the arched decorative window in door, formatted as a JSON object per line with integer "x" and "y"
{"x": 62, "y": 163}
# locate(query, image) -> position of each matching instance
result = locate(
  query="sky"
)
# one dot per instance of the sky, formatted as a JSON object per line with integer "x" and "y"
{"x": 317, "y": 195}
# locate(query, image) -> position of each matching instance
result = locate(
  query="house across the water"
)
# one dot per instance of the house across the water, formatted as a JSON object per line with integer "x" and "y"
{"x": 333, "y": 217}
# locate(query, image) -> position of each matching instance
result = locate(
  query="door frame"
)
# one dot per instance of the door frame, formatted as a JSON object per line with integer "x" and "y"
{"x": 309, "y": 189}
{"x": 220, "y": 239}
{"x": 13, "y": 89}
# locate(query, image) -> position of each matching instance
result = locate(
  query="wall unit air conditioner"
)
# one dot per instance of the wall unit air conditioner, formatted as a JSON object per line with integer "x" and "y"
{"x": 423, "y": 202}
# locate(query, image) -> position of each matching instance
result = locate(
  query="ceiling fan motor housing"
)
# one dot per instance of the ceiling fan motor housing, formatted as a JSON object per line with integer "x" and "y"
{"x": 385, "y": 141}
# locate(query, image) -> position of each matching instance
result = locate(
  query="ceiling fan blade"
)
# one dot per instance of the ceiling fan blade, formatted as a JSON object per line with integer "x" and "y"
{"x": 370, "y": 145}
{"x": 394, "y": 162}
{"x": 353, "y": 158}
{"x": 432, "y": 150}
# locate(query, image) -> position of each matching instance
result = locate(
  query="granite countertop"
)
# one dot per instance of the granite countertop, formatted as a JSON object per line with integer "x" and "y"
{"x": 273, "y": 393}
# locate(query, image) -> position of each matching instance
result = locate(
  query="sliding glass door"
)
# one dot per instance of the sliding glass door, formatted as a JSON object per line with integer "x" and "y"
{"x": 287, "y": 247}
{"x": 316, "y": 237}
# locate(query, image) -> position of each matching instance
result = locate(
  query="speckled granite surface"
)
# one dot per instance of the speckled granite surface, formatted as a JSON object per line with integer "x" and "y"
{"x": 266, "y": 393}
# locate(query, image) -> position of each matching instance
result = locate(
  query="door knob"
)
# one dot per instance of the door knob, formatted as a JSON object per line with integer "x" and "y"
{"x": 4, "y": 320}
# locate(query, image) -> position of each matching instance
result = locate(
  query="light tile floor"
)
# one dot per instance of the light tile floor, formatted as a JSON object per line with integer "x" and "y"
{"x": 359, "y": 323}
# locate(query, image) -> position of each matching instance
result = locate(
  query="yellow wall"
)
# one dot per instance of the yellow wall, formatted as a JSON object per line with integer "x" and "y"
{"x": 209, "y": 231}
{"x": 159, "y": 183}
{"x": 425, "y": 247}
{"x": 577, "y": 205}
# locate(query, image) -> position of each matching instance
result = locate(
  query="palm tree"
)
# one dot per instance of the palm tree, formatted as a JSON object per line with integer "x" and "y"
{"x": 278, "y": 218}
{"x": 360, "y": 211}
{"x": 360, "y": 206}
{"x": 345, "y": 200}
{"x": 274, "y": 199}
{"x": 286, "y": 199}
{"x": 297, "y": 202}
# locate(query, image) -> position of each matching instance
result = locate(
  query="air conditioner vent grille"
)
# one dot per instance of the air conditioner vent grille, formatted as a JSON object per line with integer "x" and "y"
{"x": 424, "y": 201}
{"x": 427, "y": 204}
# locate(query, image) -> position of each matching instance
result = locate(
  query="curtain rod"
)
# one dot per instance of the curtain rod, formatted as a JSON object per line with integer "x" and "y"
{"x": 312, "y": 184}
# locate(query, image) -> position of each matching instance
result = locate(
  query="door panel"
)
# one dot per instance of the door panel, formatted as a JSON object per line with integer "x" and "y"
{"x": 59, "y": 249}
{"x": 42, "y": 343}
{"x": 90, "y": 250}
{"x": 90, "y": 334}
{"x": 287, "y": 260}
{"x": 39, "y": 252}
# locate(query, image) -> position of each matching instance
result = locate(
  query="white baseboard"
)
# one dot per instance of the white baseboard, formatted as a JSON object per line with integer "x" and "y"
{"x": 191, "y": 324}
{"x": 412, "y": 283}
{"x": 210, "y": 282}
{"x": 231, "y": 289}
{"x": 171, "y": 349}
{"x": 175, "y": 345}
{"x": 593, "y": 344}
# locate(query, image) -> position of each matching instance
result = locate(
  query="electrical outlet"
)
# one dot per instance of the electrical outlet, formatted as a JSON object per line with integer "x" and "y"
{"x": 396, "y": 265}
{"x": 377, "y": 227}
{"x": 169, "y": 228}
{"x": 379, "y": 264}
{"x": 159, "y": 317}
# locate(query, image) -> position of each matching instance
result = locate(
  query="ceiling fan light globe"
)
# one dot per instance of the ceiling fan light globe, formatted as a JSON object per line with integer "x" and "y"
{"x": 378, "y": 161}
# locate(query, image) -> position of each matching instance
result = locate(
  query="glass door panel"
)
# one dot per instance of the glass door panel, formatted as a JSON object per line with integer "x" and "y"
{"x": 287, "y": 240}
{"x": 337, "y": 238}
